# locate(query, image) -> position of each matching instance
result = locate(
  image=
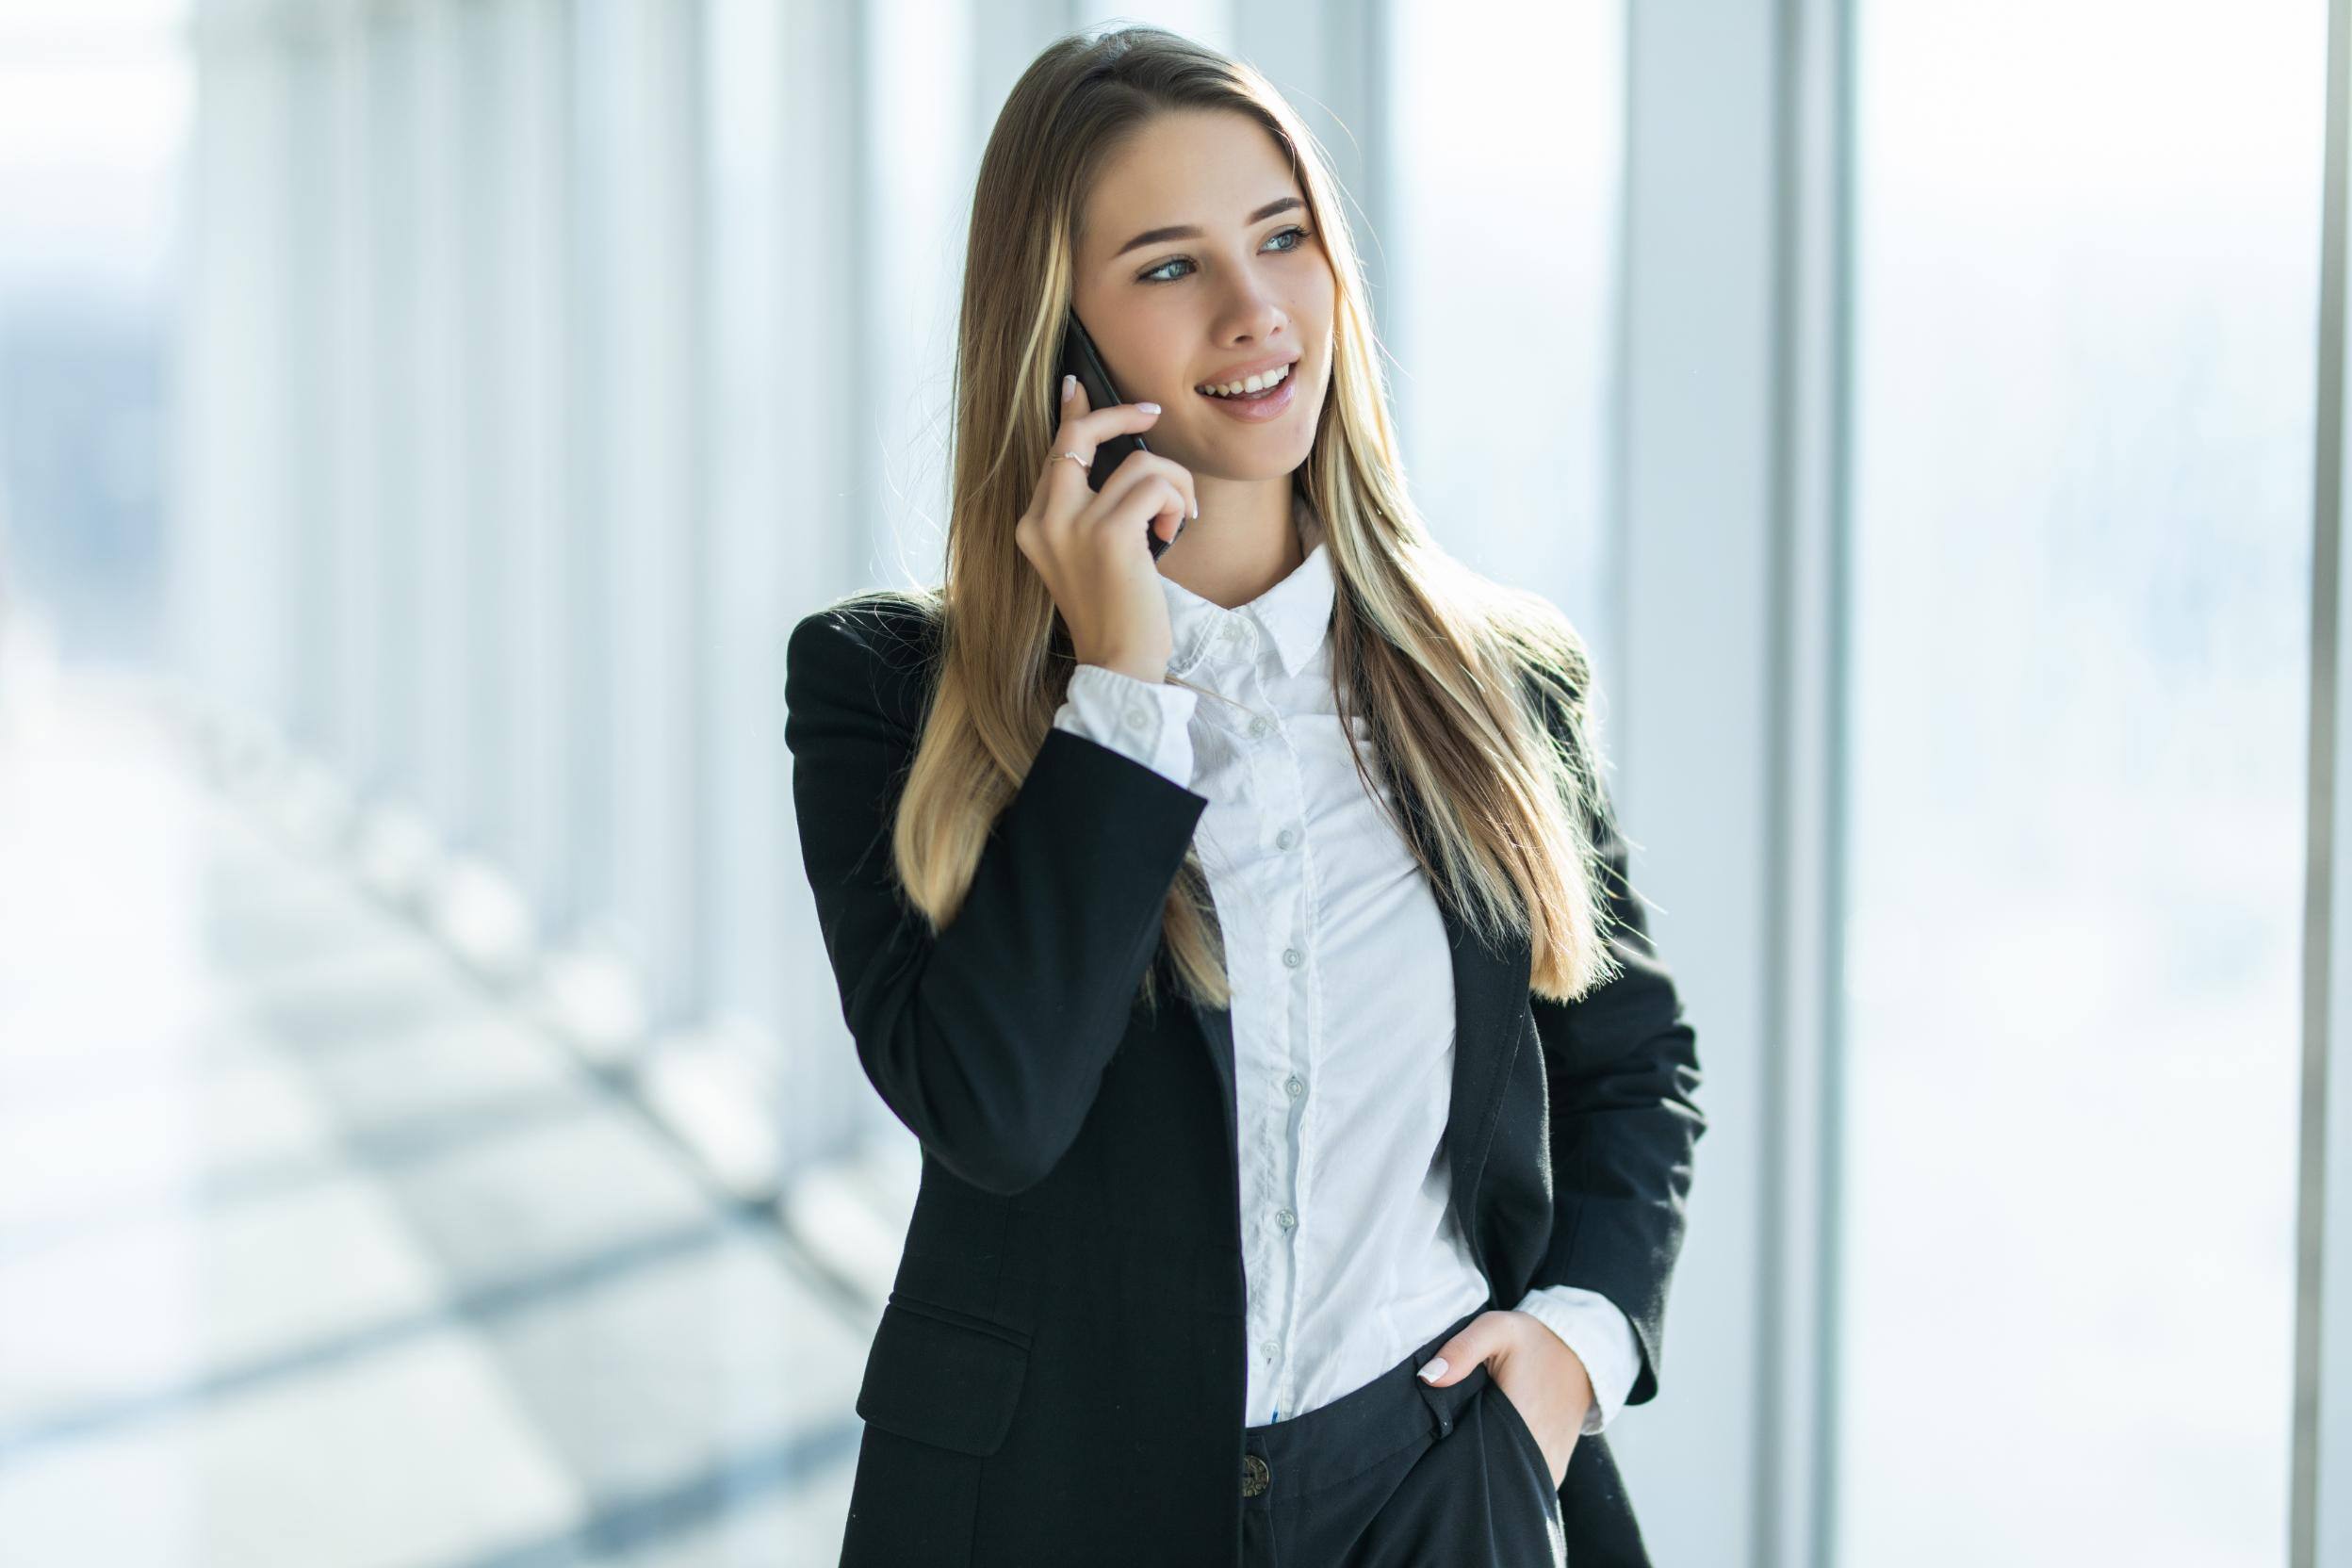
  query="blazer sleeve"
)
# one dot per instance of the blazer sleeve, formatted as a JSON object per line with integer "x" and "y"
{"x": 1623, "y": 1070}
{"x": 989, "y": 1038}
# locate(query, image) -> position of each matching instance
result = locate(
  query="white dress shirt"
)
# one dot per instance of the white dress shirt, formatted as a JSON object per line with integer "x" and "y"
{"x": 1343, "y": 1007}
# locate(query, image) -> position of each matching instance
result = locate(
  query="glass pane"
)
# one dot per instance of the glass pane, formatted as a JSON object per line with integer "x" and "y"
{"x": 2088, "y": 236}
{"x": 395, "y": 319}
{"x": 94, "y": 132}
{"x": 1500, "y": 260}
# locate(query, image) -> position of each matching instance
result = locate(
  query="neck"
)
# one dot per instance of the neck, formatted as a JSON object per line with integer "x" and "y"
{"x": 1247, "y": 538}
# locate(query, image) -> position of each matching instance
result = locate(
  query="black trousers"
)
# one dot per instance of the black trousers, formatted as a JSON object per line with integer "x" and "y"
{"x": 1400, "y": 1475}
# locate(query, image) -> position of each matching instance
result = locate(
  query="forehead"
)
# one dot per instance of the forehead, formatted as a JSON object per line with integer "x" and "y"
{"x": 1208, "y": 167}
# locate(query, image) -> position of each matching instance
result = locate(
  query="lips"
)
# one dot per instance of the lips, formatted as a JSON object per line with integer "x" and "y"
{"x": 1262, "y": 409}
{"x": 1259, "y": 394}
{"x": 1242, "y": 373}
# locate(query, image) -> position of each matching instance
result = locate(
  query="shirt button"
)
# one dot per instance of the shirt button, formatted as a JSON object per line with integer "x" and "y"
{"x": 1286, "y": 838}
{"x": 1292, "y": 958}
{"x": 1286, "y": 1219}
{"x": 1269, "y": 1347}
{"x": 1259, "y": 725}
{"x": 1297, "y": 1086}
{"x": 1138, "y": 718}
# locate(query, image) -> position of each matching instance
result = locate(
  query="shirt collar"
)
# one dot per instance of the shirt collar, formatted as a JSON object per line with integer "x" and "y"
{"x": 1294, "y": 615}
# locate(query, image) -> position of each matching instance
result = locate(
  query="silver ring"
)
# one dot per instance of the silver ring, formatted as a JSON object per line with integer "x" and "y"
{"x": 1081, "y": 462}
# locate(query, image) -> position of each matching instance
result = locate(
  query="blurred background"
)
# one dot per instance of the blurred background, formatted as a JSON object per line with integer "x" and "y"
{"x": 428, "y": 1132}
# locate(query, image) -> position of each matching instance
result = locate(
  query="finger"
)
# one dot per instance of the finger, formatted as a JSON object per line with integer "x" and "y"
{"x": 1173, "y": 514}
{"x": 1457, "y": 1356}
{"x": 1179, "y": 477}
{"x": 1084, "y": 429}
{"x": 1135, "y": 485}
{"x": 1135, "y": 464}
{"x": 1051, "y": 486}
{"x": 1081, "y": 431}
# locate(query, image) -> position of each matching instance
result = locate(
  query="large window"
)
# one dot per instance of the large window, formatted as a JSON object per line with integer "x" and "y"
{"x": 1500, "y": 248}
{"x": 2088, "y": 243}
{"x": 95, "y": 108}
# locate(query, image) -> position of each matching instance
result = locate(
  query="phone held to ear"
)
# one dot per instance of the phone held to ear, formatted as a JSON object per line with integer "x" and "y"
{"x": 1080, "y": 359}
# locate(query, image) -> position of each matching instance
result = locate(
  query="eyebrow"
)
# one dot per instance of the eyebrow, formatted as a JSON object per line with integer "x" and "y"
{"x": 1186, "y": 231}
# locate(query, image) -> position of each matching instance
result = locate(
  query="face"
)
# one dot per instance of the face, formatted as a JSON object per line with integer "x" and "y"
{"x": 1245, "y": 286}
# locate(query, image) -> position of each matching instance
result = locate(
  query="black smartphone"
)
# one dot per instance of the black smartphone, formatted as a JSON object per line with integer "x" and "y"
{"x": 1080, "y": 359}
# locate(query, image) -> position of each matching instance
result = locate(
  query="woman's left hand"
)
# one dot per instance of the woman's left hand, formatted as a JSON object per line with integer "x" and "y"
{"x": 1537, "y": 1372}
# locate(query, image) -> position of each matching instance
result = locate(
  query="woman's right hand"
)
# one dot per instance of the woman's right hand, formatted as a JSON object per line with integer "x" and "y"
{"x": 1088, "y": 545}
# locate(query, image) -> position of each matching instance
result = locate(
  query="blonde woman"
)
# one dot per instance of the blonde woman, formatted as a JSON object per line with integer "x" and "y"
{"x": 1307, "y": 1120}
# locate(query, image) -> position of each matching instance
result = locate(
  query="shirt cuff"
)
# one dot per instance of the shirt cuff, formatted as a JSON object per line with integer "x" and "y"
{"x": 1148, "y": 721}
{"x": 1591, "y": 1324}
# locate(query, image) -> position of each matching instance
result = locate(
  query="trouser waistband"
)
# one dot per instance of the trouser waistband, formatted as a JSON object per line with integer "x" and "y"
{"x": 1335, "y": 1442}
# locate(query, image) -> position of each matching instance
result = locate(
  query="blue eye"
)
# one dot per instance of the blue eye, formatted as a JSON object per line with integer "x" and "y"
{"x": 1181, "y": 261}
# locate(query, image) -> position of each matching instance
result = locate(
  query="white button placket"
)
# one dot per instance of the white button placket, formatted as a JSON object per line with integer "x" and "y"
{"x": 1231, "y": 648}
{"x": 1275, "y": 767}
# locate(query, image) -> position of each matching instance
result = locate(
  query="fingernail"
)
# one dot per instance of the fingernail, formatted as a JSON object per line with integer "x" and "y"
{"x": 1196, "y": 509}
{"x": 1070, "y": 384}
{"x": 1148, "y": 408}
{"x": 1435, "y": 1370}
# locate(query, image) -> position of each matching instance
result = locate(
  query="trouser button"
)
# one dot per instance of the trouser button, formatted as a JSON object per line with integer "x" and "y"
{"x": 1254, "y": 1474}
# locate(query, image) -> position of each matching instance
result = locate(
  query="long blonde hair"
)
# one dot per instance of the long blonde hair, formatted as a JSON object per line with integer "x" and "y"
{"x": 1474, "y": 693}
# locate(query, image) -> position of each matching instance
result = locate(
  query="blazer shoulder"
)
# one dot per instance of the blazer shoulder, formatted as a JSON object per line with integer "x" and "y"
{"x": 1555, "y": 693}
{"x": 881, "y": 645}
{"x": 1531, "y": 640}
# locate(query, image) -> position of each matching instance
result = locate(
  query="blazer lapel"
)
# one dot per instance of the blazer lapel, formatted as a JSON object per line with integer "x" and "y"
{"x": 1216, "y": 1029}
{"x": 1491, "y": 1022}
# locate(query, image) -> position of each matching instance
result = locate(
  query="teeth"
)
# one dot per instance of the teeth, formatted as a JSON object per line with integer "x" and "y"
{"x": 1254, "y": 383}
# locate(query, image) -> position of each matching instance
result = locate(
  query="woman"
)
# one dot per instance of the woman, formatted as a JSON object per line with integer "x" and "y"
{"x": 1307, "y": 1120}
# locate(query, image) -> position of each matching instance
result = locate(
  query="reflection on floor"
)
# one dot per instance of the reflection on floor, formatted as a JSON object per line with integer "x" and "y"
{"x": 312, "y": 1255}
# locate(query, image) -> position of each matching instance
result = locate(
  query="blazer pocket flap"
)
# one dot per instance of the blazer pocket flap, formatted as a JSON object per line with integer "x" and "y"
{"x": 940, "y": 1381}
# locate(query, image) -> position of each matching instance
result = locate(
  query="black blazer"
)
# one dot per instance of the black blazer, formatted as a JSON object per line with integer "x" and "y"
{"x": 1058, "y": 1374}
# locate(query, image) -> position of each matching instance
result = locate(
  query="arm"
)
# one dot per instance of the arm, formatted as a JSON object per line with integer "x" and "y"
{"x": 1623, "y": 1070}
{"x": 989, "y": 1039}
{"x": 1591, "y": 1325}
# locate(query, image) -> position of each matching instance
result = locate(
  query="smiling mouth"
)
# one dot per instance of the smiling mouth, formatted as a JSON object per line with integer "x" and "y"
{"x": 1280, "y": 376}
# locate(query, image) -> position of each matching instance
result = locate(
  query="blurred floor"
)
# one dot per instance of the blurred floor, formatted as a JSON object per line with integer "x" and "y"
{"x": 313, "y": 1254}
